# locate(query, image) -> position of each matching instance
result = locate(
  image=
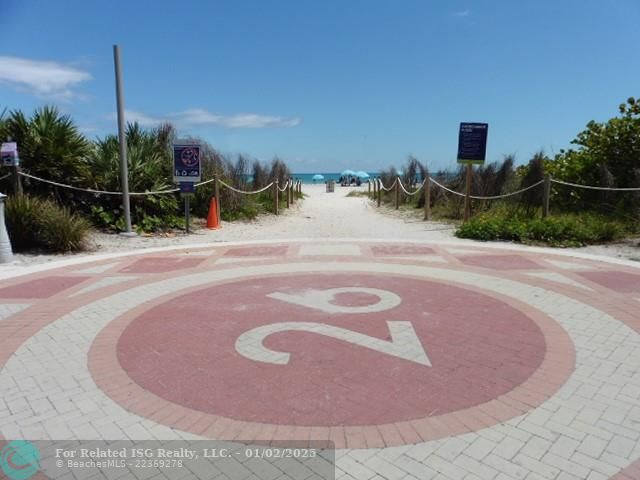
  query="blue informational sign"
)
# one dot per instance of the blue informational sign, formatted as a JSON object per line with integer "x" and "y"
{"x": 186, "y": 163}
{"x": 472, "y": 142}
{"x": 187, "y": 187}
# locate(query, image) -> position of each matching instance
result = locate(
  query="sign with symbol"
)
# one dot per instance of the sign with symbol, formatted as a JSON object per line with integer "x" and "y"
{"x": 472, "y": 142}
{"x": 9, "y": 154}
{"x": 186, "y": 163}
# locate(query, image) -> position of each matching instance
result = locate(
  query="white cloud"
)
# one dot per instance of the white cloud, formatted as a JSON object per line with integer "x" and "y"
{"x": 43, "y": 78}
{"x": 199, "y": 116}
{"x": 462, "y": 13}
{"x": 131, "y": 116}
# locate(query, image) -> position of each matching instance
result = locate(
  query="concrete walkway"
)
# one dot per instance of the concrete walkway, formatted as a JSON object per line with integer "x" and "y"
{"x": 413, "y": 359}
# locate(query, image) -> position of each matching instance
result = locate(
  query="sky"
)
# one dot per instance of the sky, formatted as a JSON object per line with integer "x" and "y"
{"x": 329, "y": 84}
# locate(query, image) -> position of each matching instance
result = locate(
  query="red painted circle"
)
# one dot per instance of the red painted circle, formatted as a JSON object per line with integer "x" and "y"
{"x": 184, "y": 351}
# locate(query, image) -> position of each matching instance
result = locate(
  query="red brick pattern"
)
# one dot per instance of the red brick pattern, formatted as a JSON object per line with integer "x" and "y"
{"x": 488, "y": 368}
{"x": 401, "y": 250}
{"x": 40, "y": 288}
{"x": 257, "y": 251}
{"x": 107, "y": 371}
{"x": 500, "y": 262}
{"x": 622, "y": 282}
{"x": 161, "y": 264}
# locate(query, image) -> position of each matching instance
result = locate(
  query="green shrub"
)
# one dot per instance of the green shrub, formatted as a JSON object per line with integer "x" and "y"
{"x": 36, "y": 223}
{"x": 21, "y": 214}
{"x": 61, "y": 230}
{"x": 247, "y": 211}
{"x": 567, "y": 230}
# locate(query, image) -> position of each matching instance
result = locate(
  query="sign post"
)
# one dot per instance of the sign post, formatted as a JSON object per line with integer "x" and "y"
{"x": 472, "y": 149}
{"x": 186, "y": 171}
{"x": 187, "y": 189}
{"x": 10, "y": 158}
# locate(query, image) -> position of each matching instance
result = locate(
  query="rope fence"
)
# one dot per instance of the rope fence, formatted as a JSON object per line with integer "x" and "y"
{"x": 407, "y": 192}
{"x": 286, "y": 185}
{"x": 390, "y": 187}
{"x": 244, "y": 192}
{"x": 506, "y": 195}
{"x": 397, "y": 186}
{"x": 292, "y": 188}
{"x": 591, "y": 187}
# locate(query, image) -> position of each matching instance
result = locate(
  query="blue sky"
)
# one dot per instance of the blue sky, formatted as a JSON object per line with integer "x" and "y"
{"x": 329, "y": 84}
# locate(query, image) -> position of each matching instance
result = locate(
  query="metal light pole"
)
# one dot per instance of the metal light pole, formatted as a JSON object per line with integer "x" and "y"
{"x": 124, "y": 166}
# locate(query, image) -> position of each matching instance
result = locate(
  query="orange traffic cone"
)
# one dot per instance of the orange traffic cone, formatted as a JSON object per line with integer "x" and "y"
{"x": 212, "y": 218}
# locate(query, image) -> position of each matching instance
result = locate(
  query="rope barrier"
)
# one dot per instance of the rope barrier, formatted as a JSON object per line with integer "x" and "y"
{"x": 409, "y": 193}
{"x": 205, "y": 182}
{"x": 494, "y": 197}
{"x": 243, "y": 191}
{"x": 89, "y": 190}
{"x": 388, "y": 189}
{"x": 286, "y": 185}
{"x": 446, "y": 188}
{"x": 107, "y": 192}
{"x": 591, "y": 187}
{"x": 511, "y": 194}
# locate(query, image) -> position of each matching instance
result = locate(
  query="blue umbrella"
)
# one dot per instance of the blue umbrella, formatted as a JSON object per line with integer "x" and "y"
{"x": 348, "y": 173}
{"x": 317, "y": 176}
{"x": 362, "y": 174}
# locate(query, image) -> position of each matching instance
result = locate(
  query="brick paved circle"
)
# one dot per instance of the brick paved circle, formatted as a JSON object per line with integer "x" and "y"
{"x": 573, "y": 414}
{"x": 184, "y": 351}
{"x": 183, "y": 402}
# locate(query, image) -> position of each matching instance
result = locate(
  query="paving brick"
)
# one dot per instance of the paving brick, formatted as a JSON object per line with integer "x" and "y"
{"x": 480, "y": 448}
{"x": 592, "y": 446}
{"x": 508, "y": 447}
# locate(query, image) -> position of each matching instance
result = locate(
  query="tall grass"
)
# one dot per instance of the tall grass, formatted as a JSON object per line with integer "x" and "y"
{"x": 36, "y": 223}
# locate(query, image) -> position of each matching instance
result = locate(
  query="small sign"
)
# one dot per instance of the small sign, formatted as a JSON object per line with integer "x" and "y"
{"x": 9, "y": 154}
{"x": 186, "y": 163}
{"x": 472, "y": 142}
{"x": 187, "y": 187}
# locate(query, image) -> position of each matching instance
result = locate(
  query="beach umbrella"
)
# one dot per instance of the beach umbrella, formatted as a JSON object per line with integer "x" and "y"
{"x": 317, "y": 176}
{"x": 348, "y": 173}
{"x": 362, "y": 174}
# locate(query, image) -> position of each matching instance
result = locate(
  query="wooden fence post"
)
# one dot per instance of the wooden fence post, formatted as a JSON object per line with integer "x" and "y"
{"x": 275, "y": 197}
{"x": 397, "y": 192}
{"x": 286, "y": 192}
{"x": 216, "y": 193}
{"x": 16, "y": 180}
{"x": 379, "y": 191}
{"x": 427, "y": 198}
{"x": 467, "y": 195}
{"x": 369, "y": 193}
{"x": 546, "y": 196}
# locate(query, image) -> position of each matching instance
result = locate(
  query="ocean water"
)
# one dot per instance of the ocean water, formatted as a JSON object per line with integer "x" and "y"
{"x": 308, "y": 177}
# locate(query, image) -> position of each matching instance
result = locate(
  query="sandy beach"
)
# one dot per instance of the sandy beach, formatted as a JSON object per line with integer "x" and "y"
{"x": 320, "y": 215}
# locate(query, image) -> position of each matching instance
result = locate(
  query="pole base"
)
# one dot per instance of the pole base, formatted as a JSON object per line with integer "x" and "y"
{"x": 128, "y": 234}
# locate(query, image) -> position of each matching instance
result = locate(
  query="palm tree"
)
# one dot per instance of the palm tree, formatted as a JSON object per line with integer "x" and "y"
{"x": 149, "y": 160}
{"x": 50, "y": 144}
